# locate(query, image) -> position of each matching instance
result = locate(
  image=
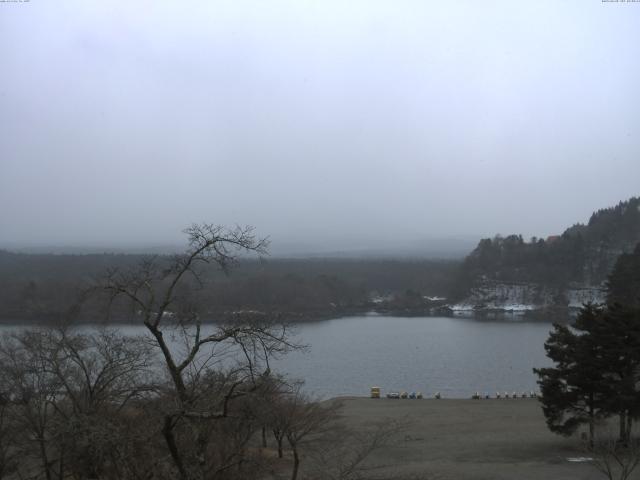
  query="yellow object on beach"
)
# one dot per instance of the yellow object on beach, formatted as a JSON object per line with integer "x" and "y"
{"x": 375, "y": 392}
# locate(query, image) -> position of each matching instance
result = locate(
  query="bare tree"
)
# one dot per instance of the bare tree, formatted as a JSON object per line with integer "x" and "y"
{"x": 301, "y": 421}
{"x": 33, "y": 394}
{"x": 8, "y": 433}
{"x": 100, "y": 374}
{"x": 155, "y": 290}
{"x": 100, "y": 370}
{"x": 67, "y": 393}
{"x": 315, "y": 430}
{"x": 268, "y": 401}
{"x": 186, "y": 400}
{"x": 344, "y": 452}
{"x": 613, "y": 459}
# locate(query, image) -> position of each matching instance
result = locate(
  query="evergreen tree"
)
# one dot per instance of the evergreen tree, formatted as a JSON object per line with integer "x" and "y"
{"x": 619, "y": 336}
{"x": 622, "y": 336}
{"x": 624, "y": 281}
{"x": 597, "y": 362}
{"x": 574, "y": 392}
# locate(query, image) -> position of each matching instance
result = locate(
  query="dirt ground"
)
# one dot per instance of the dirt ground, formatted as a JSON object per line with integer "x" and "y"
{"x": 470, "y": 439}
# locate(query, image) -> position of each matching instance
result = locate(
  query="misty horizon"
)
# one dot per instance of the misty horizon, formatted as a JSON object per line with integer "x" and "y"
{"x": 444, "y": 247}
{"x": 329, "y": 127}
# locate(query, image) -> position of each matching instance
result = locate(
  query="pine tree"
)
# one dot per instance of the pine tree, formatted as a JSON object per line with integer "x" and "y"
{"x": 624, "y": 280}
{"x": 619, "y": 336}
{"x": 597, "y": 360}
{"x": 574, "y": 392}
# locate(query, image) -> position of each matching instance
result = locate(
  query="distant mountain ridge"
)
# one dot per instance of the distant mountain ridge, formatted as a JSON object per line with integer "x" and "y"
{"x": 550, "y": 271}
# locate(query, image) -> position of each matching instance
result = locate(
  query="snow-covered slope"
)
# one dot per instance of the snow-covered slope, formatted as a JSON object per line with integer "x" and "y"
{"x": 527, "y": 296}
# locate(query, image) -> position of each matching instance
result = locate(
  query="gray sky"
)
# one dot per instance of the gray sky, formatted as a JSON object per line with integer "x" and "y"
{"x": 328, "y": 123}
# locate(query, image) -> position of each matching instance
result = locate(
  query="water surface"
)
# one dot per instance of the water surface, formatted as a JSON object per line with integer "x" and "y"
{"x": 455, "y": 356}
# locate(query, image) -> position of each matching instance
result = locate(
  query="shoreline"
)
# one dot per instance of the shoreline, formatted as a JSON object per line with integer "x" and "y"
{"x": 562, "y": 315}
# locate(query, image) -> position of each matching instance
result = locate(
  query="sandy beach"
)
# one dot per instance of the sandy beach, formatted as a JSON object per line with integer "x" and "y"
{"x": 470, "y": 439}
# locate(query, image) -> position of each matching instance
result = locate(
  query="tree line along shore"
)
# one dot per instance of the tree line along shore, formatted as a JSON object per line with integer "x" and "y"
{"x": 42, "y": 287}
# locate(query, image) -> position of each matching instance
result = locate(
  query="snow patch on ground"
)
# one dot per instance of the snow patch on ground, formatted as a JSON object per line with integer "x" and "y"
{"x": 517, "y": 307}
{"x": 581, "y": 295}
{"x": 462, "y": 307}
{"x": 522, "y": 297}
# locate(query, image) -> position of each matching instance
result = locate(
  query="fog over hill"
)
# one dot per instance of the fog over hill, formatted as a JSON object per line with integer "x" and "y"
{"x": 444, "y": 248}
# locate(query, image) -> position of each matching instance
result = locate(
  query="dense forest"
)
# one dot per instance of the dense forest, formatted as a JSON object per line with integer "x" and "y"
{"x": 44, "y": 287}
{"x": 583, "y": 254}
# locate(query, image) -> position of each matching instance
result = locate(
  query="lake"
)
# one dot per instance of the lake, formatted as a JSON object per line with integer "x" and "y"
{"x": 453, "y": 355}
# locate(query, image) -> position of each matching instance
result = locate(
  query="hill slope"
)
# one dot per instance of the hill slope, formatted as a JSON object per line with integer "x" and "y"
{"x": 559, "y": 271}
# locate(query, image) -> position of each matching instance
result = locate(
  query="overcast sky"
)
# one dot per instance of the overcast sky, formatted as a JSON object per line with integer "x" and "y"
{"x": 330, "y": 123}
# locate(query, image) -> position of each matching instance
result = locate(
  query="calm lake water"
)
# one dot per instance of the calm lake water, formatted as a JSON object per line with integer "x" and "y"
{"x": 453, "y": 355}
